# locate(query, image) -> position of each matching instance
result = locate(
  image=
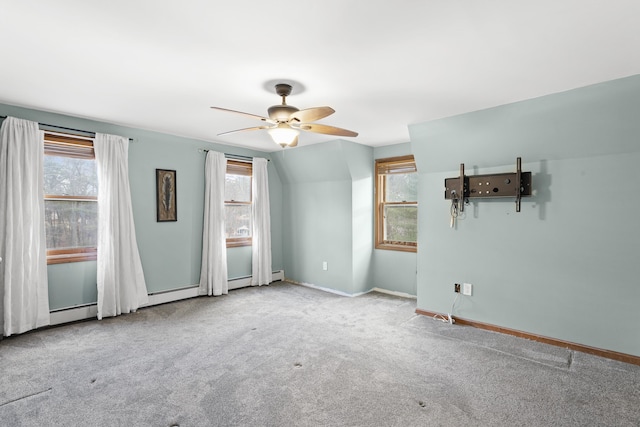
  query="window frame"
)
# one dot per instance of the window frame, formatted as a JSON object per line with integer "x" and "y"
{"x": 79, "y": 147}
{"x": 237, "y": 167}
{"x": 384, "y": 167}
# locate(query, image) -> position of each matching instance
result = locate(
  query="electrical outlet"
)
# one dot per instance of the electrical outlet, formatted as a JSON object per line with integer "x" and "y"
{"x": 325, "y": 266}
{"x": 467, "y": 288}
{"x": 456, "y": 288}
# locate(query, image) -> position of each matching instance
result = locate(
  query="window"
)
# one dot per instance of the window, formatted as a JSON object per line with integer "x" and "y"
{"x": 396, "y": 216}
{"x": 71, "y": 196}
{"x": 237, "y": 203}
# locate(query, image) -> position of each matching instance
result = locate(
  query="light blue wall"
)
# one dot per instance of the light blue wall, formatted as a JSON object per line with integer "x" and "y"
{"x": 170, "y": 251}
{"x": 394, "y": 270}
{"x": 360, "y": 164}
{"x": 317, "y": 214}
{"x": 566, "y": 266}
{"x": 318, "y": 228}
{"x": 72, "y": 284}
{"x": 328, "y": 216}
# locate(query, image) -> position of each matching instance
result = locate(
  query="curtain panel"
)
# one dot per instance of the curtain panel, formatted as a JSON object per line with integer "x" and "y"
{"x": 261, "y": 220}
{"x": 23, "y": 270}
{"x": 213, "y": 273}
{"x": 121, "y": 283}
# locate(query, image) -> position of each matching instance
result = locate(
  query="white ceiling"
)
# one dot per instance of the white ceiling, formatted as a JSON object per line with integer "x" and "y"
{"x": 382, "y": 65}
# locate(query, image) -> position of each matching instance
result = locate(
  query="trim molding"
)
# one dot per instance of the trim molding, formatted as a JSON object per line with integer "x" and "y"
{"x": 357, "y": 294}
{"x": 609, "y": 354}
{"x": 90, "y": 311}
{"x": 394, "y": 293}
{"x": 329, "y": 290}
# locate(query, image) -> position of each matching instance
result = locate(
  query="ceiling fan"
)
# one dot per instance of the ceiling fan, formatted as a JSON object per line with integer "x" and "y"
{"x": 286, "y": 121}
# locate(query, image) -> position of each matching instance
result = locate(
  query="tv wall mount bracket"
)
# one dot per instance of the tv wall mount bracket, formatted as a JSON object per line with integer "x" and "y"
{"x": 500, "y": 185}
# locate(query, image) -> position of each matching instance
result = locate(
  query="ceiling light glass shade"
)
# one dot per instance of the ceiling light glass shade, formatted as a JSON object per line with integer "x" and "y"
{"x": 284, "y": 134}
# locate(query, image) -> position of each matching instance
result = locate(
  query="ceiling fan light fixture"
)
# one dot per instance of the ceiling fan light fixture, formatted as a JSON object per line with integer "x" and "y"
{"x": 283, "y": 134}
{"x": 286, "y": 121}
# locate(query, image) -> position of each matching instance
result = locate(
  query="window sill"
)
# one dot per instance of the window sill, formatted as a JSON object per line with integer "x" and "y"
{"x": 397, "y": 247}
{"x": 63, "y": 258}
{"x": 238, "y": 242}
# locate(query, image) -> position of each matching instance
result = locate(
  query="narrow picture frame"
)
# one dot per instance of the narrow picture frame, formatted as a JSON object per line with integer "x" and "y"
{"x": 166, "y": 195}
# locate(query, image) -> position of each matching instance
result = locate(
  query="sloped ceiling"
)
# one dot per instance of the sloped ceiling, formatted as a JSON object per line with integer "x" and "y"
{"x": 382, "y": 65}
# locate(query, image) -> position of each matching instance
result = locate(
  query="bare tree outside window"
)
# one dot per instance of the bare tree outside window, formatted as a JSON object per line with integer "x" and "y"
{"x": 396, "y": 204}
{"x": 71, "y": 190}
{"x": 401, "y": 221}
{"x": 238, "y": 200}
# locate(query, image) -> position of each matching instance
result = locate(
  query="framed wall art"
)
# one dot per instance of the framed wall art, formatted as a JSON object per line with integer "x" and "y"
{"x": 166, "y": 193}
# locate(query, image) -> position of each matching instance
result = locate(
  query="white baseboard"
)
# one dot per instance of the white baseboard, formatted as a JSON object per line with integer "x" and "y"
{"x": 331, "y": 291}
{"x": 73, "y": 314}
{"x": 394, "y": 293}
{"x": 345, "y": 294}
{"x": 172, "y": 295}
{"x": 243, "y": 282}
{"x": 90, "y": 311}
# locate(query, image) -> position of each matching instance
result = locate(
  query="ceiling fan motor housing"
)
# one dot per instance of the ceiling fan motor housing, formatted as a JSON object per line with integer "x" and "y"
{"x": 281, "y": 113}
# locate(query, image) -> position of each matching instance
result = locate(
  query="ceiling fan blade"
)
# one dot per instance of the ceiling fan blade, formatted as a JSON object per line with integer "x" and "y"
{"x": 245, "y": 129}
{"x": 329, "y": 130}
{"x": 253, "y": 116}
{"x": 294, "y": 143}
{"x": 311, "y": 114}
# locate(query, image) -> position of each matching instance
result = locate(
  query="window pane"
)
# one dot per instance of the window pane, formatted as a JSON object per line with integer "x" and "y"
{"x": 70, "y": 177}
{"x": 237, "y": 188}
{"x": 401, "y": 223}
{"x": 238, "y": 220}
{"x": 71, "y": 223}
{"x": 402, "y": 187}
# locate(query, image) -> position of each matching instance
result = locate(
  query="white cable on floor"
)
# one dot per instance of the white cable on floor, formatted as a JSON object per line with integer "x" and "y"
{"x": 449, "y": 318}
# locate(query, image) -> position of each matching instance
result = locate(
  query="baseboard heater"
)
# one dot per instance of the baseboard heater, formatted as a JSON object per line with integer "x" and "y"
{"x": 90, "y": 311}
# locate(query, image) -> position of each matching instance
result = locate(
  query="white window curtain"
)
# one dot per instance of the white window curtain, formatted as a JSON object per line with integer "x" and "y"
{"x": 121, "y": 284}
{"x": 23, "y": 270}
{"x": 261, "y": 220}
{"x": 213, "y": 273}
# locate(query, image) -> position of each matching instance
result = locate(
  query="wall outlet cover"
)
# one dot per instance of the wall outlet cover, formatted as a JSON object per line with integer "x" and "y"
{"x": 467, "y": 288}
